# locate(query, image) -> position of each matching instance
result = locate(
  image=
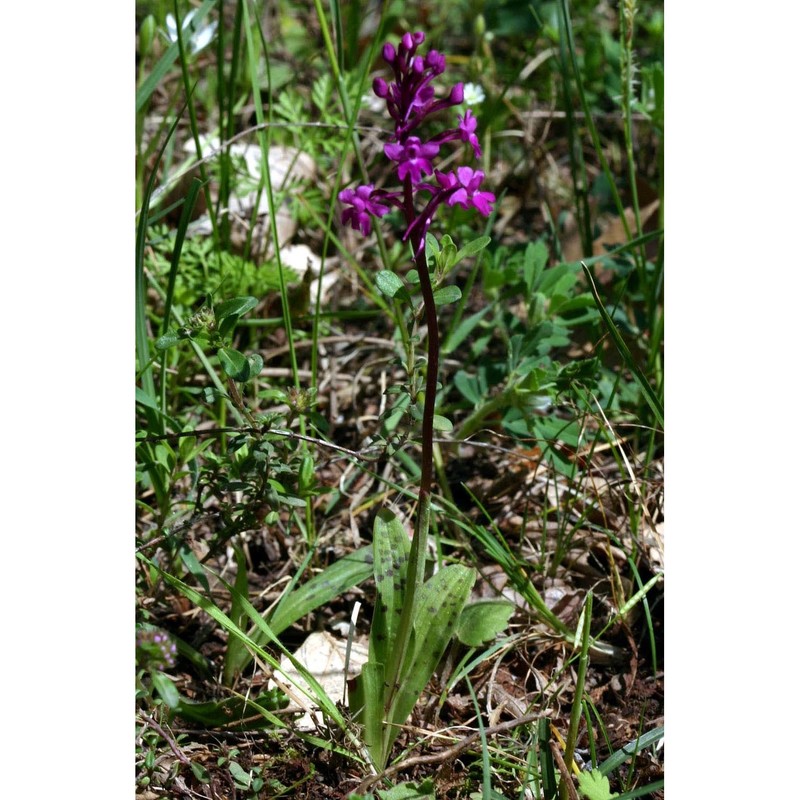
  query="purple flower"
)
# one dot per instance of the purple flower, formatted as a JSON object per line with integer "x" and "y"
{"x": 362, "y": 205}
{"x": 467, "y": 125}
{"x": 464, "y": 184}
{"x": 410, "y": 100}
{"x": 156, "y": 648}
{"x": 456, "y": 95}
{"x": 436, "y": 62}
{"x": 413, "y": 158}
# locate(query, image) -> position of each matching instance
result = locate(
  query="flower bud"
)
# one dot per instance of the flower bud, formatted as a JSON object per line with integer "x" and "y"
{"x": 457, "y": 94}
{"x": 389, "y": 54}
{"x": 436, "y": 61}
{"x": 480, "y": 25}
{"x": 418, "y": 65}
{"x": 407, "y": 43}
{"x": 380, "y": 87}
{"x": 418, "y": 37}
{"x": 146, "y": 33}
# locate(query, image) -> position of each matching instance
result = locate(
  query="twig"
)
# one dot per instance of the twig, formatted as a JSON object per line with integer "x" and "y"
{"x": 264, "y": 430}
{"x": 151, "y": 723}
{"x": 566, "y": 778}
{"x": 446, "y": 755}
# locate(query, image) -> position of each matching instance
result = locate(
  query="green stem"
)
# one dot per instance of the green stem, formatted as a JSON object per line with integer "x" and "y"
{"x": 474, "y": 421}
{"x": 577, "y": 704}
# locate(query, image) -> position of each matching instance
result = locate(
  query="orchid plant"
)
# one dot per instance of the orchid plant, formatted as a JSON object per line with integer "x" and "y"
{"x": 414, "y": 620}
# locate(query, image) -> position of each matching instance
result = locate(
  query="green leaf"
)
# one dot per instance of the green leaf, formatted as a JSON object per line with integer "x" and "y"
{"x": 391, "y": 547}
{"x": 595, "y": 786}
{"x": 409, "y": 791}
{"x": 230, "y": 311}
{"x": 431, "y": 246}
{"x": 322, "y": 588}
{"x": 305, "y": 480}
{"x": 447, "y": 294}
{"x": 439, "y": 606}
{"x": 236, "y": 651}
{"x": 194, "y": 566}
{"x": 468, "y": 386}
{"x": 234, "y": 363}
{"x": 255, "y": 364}
{"x": 200, "y": 772}
{"x": 448, "y": 257}
{"x": 442, "y": 424}
{"x": 464, "y": 328}
{"x": 535, "y": 260}
{"x": 367, "y": 703}
{"x": 235, "y": 307}
{"x": 473, "y": 247}
{"x": 636, "y": 746}
{"x": 239, "y": 775}
{"x": 391, "y": 285}
{"x": 483, "y": 620}
{"x": 224, "y": 713}
{"x": 166, "y": 689}
{"x": 169, "y": 339}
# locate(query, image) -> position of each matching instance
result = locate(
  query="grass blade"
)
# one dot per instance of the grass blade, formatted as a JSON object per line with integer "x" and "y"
{"x": 236, "y": 652}
{"x": 649, "y": 395}
{"x": 631, "y": 749}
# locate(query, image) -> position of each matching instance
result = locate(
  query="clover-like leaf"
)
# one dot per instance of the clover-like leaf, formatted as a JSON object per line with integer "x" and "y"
{"x": 595, "y": 786}
{"x": 234, "y": 363}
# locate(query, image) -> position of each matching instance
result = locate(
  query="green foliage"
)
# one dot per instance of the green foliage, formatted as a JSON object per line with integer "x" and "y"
{"x": 401, "y": 791}
{"x": 595, "y": 786}
{"x": 524, "y": 383}
{"x": 482, "y": 620}
{"x": 389, "y": 687}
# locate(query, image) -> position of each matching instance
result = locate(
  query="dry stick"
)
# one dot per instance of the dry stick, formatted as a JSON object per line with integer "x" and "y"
{"x": 151, "y": 723}
{"x": 450, "y": 753}
{"x": 362, "y": 454}
{"x": 566, "y": 778}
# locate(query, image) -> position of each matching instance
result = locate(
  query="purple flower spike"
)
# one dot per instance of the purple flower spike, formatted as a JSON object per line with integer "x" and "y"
{"x": 466, "y": 182}
{"x": 413, "y": 158}
{"x": 410, "y": 100}
{"x": 362, "y": 205}
{"x": 467, "y": 125}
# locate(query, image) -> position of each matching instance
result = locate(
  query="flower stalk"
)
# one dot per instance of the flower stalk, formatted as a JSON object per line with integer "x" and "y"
{"x": 410, "y": 100}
